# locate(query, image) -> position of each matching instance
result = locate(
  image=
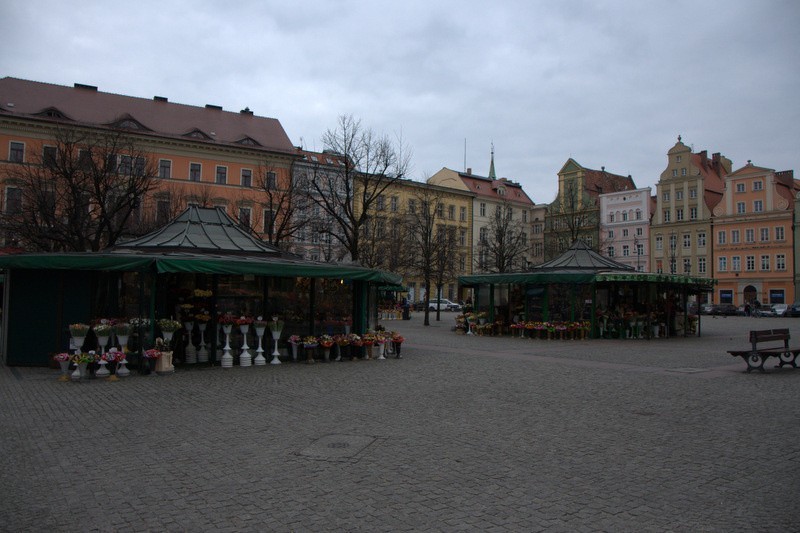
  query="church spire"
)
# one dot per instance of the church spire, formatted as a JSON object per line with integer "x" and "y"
{"x": 492, "y": 175}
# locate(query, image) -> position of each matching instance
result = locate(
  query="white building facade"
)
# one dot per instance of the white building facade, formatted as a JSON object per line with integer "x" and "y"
{"x": 625, "y": 227}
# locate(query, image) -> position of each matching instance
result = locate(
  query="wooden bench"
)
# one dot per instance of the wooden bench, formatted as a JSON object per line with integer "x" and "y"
{"x": 758, "y": 353}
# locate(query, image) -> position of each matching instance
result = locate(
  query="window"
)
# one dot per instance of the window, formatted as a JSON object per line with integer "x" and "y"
{"x": 451, "y": 212}
{"x": 639, "y": 232}
{"x": 162, "y": 211}
{"x": 638, "y": 214}
{"x": 722, "y": 264}
{"x": 610, "y": 251}
{"x": 666, "y": 215}
{"x": 692, "y": 193}
{"x": 624, "y": 216}
{"x": 16, "y": 152}
{"x": 693, "y": 213}
{"x": 269, "y": 219}
{"x": 525, "y": 215}
{"x": 687, "y": 266}
{"x": 751, "y": 262}
{"x": 780, "y": 262}
{"x": 246, "y": 178}
{"x": 462, "y": 237}
{"x": 222, "y": 175}
{"x": 721, "y": 237}
{"x": 740, "y": 208}
{"x": 734, "y": 236}
{"x": 589, "y": 241}
{"x": 779, "y": 236}
{"x": 412, "y": 206}
{"x": 537, "y": 228}
{"x": 482, "y": 209}
{"x": 758, "y": 206}
{"x": 701, "y": 239}
{"x": 673, "y": 242}
{"x": 611, "y": 217}
{"x": 678, "y": 158}
{"x": 678, "y": 195}
{"x": 626, "y": 250}
{"x": 674, "y": 172}
{"x": 13, "y": 200}
{"x": 440, "y": 211}
{"x": 764, "y": 262}
{"x": 483, "y": 235}
{"x": 462, "y": 214}
{"x": 195, "y": 170}
{"x": 271, "y": 181}
{"x": 764, "y": 234}
{"x": 665, "y": 196}
{"x": 659, "y": 266}
{"x": 659, "y": 242}
{"x": 393, "y": 204}
{"x": 679, "y": 214}
{"x": 749, "y": 235}
{"x": 164, "y": 168}
{"x": 736, "y": 263}
{"x": 380, "y": 203}
{"x": 683, "y": 171}
{"x": 244, "y": 217}
{"x": 537, "y": 249}
{"x": 49, "y": 156}
{"x": 625, "y": 232}
{"x": 758, "y": 185}
{"x": 701, "y": 265}
{"x": 462, "y": 263}
{"x": 125, "y": 165}
{"x": 725, "y": 296}
{"x": 687, "y": 240}
{"x": 639, "y": 249}
{"x": 740, "y": 187}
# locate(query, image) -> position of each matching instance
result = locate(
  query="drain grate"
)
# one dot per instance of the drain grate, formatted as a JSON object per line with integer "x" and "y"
{"x": 342, "y": 447}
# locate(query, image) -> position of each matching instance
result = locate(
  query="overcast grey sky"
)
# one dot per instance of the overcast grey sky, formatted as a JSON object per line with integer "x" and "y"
{"x": 607, "y": 83}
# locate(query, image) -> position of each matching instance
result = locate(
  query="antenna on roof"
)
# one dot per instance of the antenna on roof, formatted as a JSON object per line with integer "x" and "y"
{"x": 465, "y": 154}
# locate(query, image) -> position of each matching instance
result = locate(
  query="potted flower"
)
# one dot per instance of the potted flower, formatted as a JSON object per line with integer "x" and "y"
{"x": 78, "y": 333}
{"x": 326, "y": 341}
{"x": 168, "y": 327}
{"x": 63, "y": 360}
{"x": 310, "y": 343}
{"x": 341, "y": 341}
{"x": 397, "y": 342}
{"x": 150, "y": 357}
{"x": 294, "y": 342}
{"x": 81, "y": 361}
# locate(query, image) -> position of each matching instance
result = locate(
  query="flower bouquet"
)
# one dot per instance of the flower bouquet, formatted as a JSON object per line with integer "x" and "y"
{"x": 150, "y": 356}
{"x": 200, "y": 293}
{"x": 139, "y": 322}
{"x": 226, "y": 319}
{"x": 167, "y": 325}
{"x": 244, "y": 320}
{"x": 121, "y": 329}
{"x": 202, "y": 317}
{"x": 259, "y": 322}
{"x": 310, "y": 341}
{"x": 397, "y": 342}
{"x": 276, "y": 324}
{"x": 102, "y": 328}
{"x": 81, "y": 361}
{"x": 63, "y": 361}
{"x": 326, "y": 341}
{"x": 78, "y": 330}
{"x": 62, "y": 357}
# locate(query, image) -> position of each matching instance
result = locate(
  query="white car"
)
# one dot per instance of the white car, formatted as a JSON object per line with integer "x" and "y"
{"x": 443, "y": 305}
{"x": 780, "y": 309}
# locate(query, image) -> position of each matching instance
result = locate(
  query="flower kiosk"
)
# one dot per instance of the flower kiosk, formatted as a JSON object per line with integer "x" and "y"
{"x": 583, "y": 292}
{"x": 175, "y": 284}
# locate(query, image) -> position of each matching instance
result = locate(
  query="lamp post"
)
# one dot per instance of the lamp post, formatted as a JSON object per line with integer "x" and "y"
{"x": 638, "y": 253}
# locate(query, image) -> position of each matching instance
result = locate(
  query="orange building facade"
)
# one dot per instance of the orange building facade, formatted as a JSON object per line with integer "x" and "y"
{"x": 753, "y": 237}
{"x": 200, "y": 155}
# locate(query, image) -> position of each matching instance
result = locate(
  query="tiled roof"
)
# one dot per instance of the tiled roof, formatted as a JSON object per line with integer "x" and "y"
{"x": 488, "y": 188}
{"x": 597, "y": 182}
{"x": 86, "y": 105}
{"x": 579, "y": 257}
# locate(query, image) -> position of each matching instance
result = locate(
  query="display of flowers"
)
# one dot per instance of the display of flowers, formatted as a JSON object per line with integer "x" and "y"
{"x": 111, "y": 356}
{"x": 121, "y": 328}
{"x": 227, "y": 319}
{"x": 152, "y": 353}
{"x": 102, "y": 328}
{"x": 397, "y": 338}
{"x": 294, "y": 339}
{"x": 368, "y": 339}
{"x": 202, "y": 316}
{"x": 79, "y": 358}
{"x": 276, "y": 324}
{"x": 326, "y": 341}
{"x": 244, "y": 320}
{"x": 63, "y": 356}
{"x": 354, "y": 339}
{"x": 310, "y": 341}
{"x": 341, "y": 340}
{"x": 259, "y": 322}
{"x": 140, "y": 322}
{"x": 380, "y": 337}
{"x": 169, "y": 325}
{"x": 78, "y": 330}
{"x": 200, "y": 293}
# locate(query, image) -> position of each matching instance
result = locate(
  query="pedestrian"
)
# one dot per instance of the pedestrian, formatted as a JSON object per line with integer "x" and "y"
{"x": 747, "y": 309}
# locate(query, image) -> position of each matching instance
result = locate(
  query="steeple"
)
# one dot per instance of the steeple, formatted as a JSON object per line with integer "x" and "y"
{"x": 492, "y": 175}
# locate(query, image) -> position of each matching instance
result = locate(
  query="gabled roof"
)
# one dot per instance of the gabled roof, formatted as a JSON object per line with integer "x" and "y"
{"x": 87, "y": 106}
{"x": 490, "y": 188}
{"x": 579, "y": 257}
{"x": 201, "y": 229}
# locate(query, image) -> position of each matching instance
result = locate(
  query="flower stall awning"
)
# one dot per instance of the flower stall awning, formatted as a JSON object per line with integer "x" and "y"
{"x": 195, "y": 263}
{"x": 203, "y": 241}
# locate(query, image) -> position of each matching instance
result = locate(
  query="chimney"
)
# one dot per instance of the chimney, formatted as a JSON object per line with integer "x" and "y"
{"x": 469, "y": 170}
{"x": 160, "y": 98}
{"x": 246, "y": 111}
{"x": 87, "y": 87}
{"x": 216, "y": 107}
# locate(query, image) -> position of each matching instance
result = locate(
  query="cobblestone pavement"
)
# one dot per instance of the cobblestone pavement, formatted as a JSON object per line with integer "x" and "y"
{"x": 463, "y": 433}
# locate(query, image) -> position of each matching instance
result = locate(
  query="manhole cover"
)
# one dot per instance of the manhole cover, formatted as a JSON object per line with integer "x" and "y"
{"x": 337, "y": 446}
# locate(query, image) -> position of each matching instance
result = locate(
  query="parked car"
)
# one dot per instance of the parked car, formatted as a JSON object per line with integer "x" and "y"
{"x": 793, "y": 310}
{"x": 707, "y": 309}
{"x": 724, "y": 309}
{"x": 444, "y": 305}
{"x": 780, "y": 309}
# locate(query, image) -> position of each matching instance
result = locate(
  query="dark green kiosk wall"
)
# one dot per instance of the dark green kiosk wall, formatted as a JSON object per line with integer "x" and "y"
{"x": 43, "y": 305}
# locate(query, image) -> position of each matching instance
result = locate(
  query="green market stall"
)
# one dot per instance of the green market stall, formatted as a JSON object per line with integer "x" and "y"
{"x": 201, "y": 262}
{"x": 582, "y": 285}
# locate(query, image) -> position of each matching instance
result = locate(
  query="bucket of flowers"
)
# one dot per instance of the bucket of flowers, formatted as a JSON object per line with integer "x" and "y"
{"x": 397, "y": 342}
{"x": 341, "y": 341}
{"x": 326, "y": 341}
{"x": 63, "y": 360}
{"x": 150, "y": 357}
{"x": 78, "y": 333}
{"x": 310, "y": 343}
{"x": 81, "y": 361}
{"x": 168, "y": 328}
{"x": 368, "y": 341}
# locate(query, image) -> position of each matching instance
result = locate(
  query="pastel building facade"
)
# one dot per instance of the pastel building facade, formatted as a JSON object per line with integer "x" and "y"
{"x": 625, "y": 227}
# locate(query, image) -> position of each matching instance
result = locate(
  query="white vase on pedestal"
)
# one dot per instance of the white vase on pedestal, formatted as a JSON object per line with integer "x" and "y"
{"x": 227, "y": 358}
{"x": 381, "y": 349}
{"x": 122, "y": 370}
{"x": 77, "y": 343}
{"x": 123, "y": 342}
{"x": 275, "y": 353}
{"x": 259, "y": 359}
{"x": 191, "y": 352}
{"x": 102, "y": 341}
{"x": 102, "y": 372}
{"x": 245, "y": 357}
{"x": 294, "y": 351}
{"x": 202, "y": 353}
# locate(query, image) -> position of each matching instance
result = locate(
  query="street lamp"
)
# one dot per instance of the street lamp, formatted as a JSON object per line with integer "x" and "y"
{"x": 638, "y": 253}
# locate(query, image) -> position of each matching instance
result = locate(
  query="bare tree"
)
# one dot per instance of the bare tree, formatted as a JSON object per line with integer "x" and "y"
{"x": 79, "y": 193}
{"x": 572, "y": 216}
{"x": 369, "y": 165}
{"x": 282, "y": 207}
{"x": 444, "y": 259}
{"x": 503, "y": 245}
{"x": 422, "y": 220}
